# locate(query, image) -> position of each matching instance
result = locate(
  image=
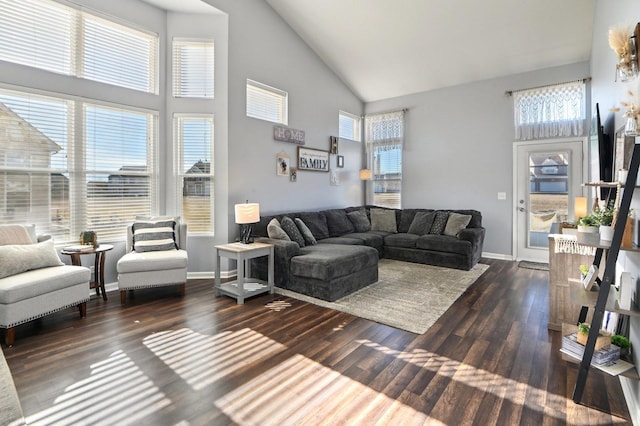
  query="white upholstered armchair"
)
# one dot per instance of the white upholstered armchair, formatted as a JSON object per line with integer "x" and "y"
{"x": 152, "y": 258}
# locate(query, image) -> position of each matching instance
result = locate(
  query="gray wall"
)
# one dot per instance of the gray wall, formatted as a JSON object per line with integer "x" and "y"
{"x": 609, "y": 94}
{"x": 458, "y": 147}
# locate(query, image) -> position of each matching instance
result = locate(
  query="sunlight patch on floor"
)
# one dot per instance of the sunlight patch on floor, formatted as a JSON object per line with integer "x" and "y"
{"x": 200, "y": 359}
{"x": 116, "y": 393}
{"x": 301, "y": 391}
{"x": 550, "y": 404}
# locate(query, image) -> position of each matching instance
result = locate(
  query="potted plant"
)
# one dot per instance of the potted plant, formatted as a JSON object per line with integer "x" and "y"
{"x": 589, "y": 223}
{"x": 604, "y": 337}
{"x": 605, "y": 219}
{"x": 623, "y": 343}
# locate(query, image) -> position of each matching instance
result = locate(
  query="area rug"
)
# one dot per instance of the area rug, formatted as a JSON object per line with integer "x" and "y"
{"x": 408, "y": 296}
{"x": 10, "y": 410}
{"x": 533, "y": 265}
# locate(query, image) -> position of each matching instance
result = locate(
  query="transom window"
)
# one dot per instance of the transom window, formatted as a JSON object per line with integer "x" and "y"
{"x": 349, "y": 126}
{"x": 267, "y": 103}
{"x": 193, "y": 68}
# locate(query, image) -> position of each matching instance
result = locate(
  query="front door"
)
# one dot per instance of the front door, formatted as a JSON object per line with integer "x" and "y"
{"x": 548, "y": 177}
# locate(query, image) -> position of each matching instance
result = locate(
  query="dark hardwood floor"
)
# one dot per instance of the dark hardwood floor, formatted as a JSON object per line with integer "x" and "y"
{"x": 201, "y": 360}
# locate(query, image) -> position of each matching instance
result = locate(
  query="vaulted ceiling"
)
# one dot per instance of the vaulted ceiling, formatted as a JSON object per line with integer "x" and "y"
{"x": 387, "y": 48}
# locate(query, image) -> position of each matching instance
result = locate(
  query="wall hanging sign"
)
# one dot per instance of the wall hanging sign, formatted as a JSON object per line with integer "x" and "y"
{"x": 282, "y": 164}
{"x": 285, "y": 134}
{"x": 313, "y": 159}
{"x": 333, "y": 144}
{"x": 293, "y": 174}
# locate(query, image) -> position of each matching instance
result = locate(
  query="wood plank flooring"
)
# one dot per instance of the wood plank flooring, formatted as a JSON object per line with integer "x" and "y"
{"x": 201, "y": 360}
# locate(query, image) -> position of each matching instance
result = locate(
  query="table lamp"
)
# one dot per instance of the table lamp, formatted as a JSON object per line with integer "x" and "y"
{"x": 580, "y": 207}
{"x": 365, "y": 174}
{"x": 246, "y": 215}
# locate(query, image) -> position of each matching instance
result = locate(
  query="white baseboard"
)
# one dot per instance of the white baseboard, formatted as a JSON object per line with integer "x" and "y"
{"x": 497, "y": 256}
{"x": 190, "y": 275}
{"x": 633, "y": 404}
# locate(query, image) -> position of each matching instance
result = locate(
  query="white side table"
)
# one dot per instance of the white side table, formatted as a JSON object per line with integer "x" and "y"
{"x": 244, "y": 286}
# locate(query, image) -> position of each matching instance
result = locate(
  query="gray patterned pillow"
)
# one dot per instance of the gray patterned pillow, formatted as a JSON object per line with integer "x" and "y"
{"x": 306, "y": 233}
{"x": 360, "y": 220}
{"x": 275, "y": 231}
{"x": 292, "y": 230}
{"x": 154, "y": 236}
{"x": 383, "y": 220}
{"x": 422, "y": 223}
{"x": 439, "y": 223}
{"x": 18, "y": 258}
{"x": 456, "y": 223}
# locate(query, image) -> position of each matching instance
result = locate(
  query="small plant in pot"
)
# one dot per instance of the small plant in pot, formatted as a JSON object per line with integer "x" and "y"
{"x": 623, "y": 343}
{"x": 589, "y": 223}
{"x": 605, "y": 219}
{"x": 604, "y": 337}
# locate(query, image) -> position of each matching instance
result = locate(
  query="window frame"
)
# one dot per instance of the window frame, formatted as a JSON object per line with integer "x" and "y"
{"x": 176, "y": 85}
{"x": 357, "y": 126}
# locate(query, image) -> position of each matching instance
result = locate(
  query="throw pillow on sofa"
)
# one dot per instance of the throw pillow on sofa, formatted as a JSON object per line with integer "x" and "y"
{"x": 439, "y": 223}
{"x": 338, "y": 222}
{"x": 359, "y": 220}
{"x": 317, "y": 224}
{"x": 275, "y": 231}
{"x": 309, "y": 239}
{"x": 383, "y": 220}
{"x": 154, "y": 235}
{"x": 290, "y": 227}
{"x": 422, "y": 223}
{"x": 456, "y": 223}
{"x": 18, "y": 258}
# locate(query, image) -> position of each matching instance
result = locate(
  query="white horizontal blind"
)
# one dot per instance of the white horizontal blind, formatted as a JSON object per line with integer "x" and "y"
{"x": 35, "y": 136}
{"x": 193, "y": 68}
{"x": 119, "y": 178}
{"x": 348, "y": 126}
{"x": 195, "y": 172}
{"x": 119, "y": 55}
{"x": 266, "y": 103}
{"x": 38, "y": 33}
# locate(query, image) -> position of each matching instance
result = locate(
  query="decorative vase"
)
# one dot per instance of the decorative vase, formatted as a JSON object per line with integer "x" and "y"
{"x": 606, "y": 232}
{"x": 631, "y": 127}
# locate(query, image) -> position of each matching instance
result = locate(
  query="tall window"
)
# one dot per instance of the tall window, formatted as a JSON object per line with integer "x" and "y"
{"x": 99, "y": 178}
{"x": 551, "y": 111}
{"x": 193, "y": 68}
{"x": 349, "y": 126}
{"x": 58, "y": 38}
{"x": 384, "y": 134}
{"x": 194, "y": 171}
{"x": 267, "y": 103}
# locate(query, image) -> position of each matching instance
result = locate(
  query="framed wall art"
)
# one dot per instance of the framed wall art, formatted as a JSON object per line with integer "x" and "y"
{"x": 282, "y": 164}
{"x": 313, "y": 159}
{"x": 333, "y": 144}
{"x": 340, "y": 161}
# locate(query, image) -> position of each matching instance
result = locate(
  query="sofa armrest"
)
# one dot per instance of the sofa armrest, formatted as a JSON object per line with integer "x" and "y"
{"x": 43, "y": 237}
{"x": 283, "y": 251}
{"x": 476, "y": 237}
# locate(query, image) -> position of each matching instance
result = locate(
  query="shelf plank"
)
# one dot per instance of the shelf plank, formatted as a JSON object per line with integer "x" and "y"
{"x": 583, "y": 297}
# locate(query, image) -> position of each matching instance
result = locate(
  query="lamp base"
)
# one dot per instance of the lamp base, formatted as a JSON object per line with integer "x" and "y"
{"x": 245, "y": 234}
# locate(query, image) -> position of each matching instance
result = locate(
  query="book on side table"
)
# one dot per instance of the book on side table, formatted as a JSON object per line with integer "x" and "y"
{"x": 79, "y": 247}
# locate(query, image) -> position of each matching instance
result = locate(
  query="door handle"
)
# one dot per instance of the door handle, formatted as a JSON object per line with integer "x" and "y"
{"x": 521, "y": 209}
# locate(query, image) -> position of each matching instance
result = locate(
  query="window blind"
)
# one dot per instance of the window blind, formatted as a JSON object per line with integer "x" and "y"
{"x": 35, "y": 136}
{"x": 62, "y": 39}
{"x": 195, "y": 172}
{"x": 193, "y": 68}
{"x": 348, "y": 126}
{"x": 266, "y": 103}
{"x": 117, "y": 181}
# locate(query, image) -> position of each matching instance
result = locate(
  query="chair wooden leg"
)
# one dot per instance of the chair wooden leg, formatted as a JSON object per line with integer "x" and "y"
{"x": 10, "y": 336}
{"x": 83, "y": 309}
{"x": 182, "y": 289}
{"x": 123, "y": 297}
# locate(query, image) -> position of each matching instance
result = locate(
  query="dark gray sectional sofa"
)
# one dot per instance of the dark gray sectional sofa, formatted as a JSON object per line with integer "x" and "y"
{"x": 345, "y": 258}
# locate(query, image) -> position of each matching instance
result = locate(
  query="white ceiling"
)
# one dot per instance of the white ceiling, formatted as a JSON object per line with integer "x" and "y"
{"x": 387, "y": 48}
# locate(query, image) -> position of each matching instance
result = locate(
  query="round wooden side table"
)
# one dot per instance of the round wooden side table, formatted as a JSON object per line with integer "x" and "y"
{"x": 100, "y": 253}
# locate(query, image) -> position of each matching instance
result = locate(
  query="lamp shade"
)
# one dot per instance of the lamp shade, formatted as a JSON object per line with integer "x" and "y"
{"x": 365, "y": 174}
{"x": 247, "y": 213}
{"x": 580, "y": 207}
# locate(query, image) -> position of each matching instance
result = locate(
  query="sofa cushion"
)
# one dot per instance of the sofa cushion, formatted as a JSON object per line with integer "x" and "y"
{"x": 309, "y": 239}
{"x": 290, "y": 227}
{"x": 456, "y": 223}
{"x": 401, "y": 240}
{"x": 422, "y": 222}
{"x": 368, "y": 238}
{"x": 360, "y": 220}
{"x": 275, "y": 231}
{"x": 383, "y": 220}
{"x": 152, "y": 261}
{"x": 14, "y": 235}
{"x": 444, "y": 243}
{"x": 439, "y": 223}
{"x": 328, "y": 261}
{"x": 406, "y": 217}
{"x": 154, "y": 235}
{"x": 343, "y": 240}
{"x": 338, "y": 222}
{"x": 317, "y": 224}
{"x": 42, "y": 281}
{"x": 18, "y": 258}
